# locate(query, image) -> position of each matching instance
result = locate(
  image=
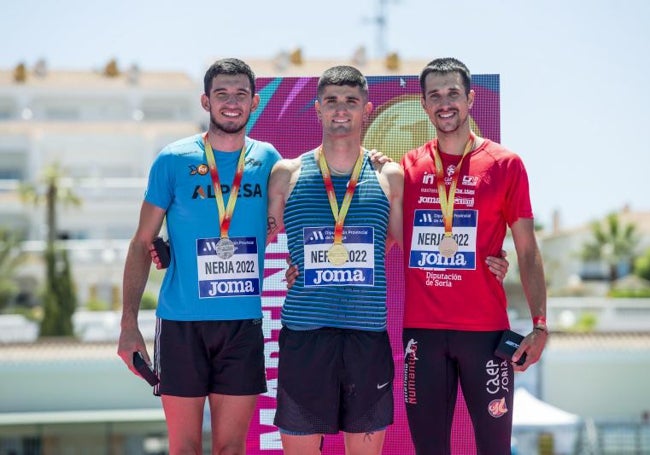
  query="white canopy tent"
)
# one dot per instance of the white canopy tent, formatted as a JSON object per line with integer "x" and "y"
{"x": 532, "y": 412}
{"x": 533, "y": 416}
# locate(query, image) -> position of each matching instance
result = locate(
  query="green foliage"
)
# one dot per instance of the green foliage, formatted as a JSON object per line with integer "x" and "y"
{"x": 60, "y": 300}
{"x": 630, "y": 293}
{"x": 642, "y": 265}
{"x": 149, "y": 301}
{"x": 11, "y": 257}
{"x": 97, "y": 305}
{"x": 612, "y": 242}
{"x": 586, "y": 323}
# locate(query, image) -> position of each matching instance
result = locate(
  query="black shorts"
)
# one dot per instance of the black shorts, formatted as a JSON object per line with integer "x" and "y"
{"x": 196, "y": 358}
{"x": 332, "y": 380}
{"x": 435, "y": 362}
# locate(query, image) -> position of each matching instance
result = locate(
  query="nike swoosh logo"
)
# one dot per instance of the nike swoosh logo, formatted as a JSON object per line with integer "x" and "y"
{"x": 381, "y": 386}
{"x": 362, "y": 182}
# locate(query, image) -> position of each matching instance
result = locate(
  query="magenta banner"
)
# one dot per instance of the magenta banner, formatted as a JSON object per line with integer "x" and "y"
{"x": 286, "y": 118}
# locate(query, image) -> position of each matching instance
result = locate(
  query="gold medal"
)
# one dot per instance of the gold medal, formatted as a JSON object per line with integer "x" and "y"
{"x": 448, "y": 246}
{"x": 225, "y": 248}
{"x": 337, "y": 254}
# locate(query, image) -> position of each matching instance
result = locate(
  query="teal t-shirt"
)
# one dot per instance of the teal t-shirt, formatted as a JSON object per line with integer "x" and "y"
{"x": 199, "y": 284}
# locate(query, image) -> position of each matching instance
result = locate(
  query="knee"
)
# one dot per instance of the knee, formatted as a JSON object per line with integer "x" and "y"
{"x": 232, "y": 448}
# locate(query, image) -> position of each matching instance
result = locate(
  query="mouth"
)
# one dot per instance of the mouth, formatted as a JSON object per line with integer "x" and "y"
{"x": 231, "y": 114}
{"x": 445, "y": 115}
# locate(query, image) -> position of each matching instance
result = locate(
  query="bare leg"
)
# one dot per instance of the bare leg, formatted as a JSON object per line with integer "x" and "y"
{"x": 311, "y": 444}
{"x": 184, "y": 418}
{"x": 231, "y": 417}
{"x": 364, "y": 443}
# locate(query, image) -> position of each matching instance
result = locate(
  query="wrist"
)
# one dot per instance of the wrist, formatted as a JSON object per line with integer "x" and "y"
{"x": 539, "y": 323}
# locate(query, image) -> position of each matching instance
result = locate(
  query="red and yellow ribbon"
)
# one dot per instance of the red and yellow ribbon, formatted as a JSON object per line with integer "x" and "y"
{"x": 447, "y": 200}
{"x": 225, "y": 212}
{"x": 339, "y": 215}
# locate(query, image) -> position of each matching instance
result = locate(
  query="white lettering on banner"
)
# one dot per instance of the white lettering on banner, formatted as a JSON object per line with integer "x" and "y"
{"x": 272, "y": 388}
{"x": 230, "y": 287}
{"x": 271, "y": 347}
{"x": 433, "y": 259}
{"x": 339, "y": 276}
{"x": 358, "y": 270}
{"x": 271, "y": 440}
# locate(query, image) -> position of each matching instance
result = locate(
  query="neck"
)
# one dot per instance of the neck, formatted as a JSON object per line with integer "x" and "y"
{"x": 226, "y": 142}
{"x": 340, "y": 155}
{"x": 455, "y": 143}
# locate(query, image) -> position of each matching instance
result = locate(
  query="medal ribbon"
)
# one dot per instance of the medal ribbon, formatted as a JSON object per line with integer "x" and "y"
{"x": 225, "y": 213}
{"x": 339, "y": 216}
{"x": 447, "y": 200}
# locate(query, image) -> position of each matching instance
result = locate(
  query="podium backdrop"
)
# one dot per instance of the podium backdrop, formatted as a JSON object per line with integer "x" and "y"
{"x": 286, "y": 118}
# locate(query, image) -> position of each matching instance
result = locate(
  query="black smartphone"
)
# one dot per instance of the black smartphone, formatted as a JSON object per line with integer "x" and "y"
{"x": 507, "y": 346}
{"x": 145, "y": 371}
{"x": 162, "y": 250}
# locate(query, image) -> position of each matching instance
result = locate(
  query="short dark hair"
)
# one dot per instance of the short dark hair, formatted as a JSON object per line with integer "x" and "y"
{"x": 343, "y": 75}
{"x": 446, "y": 65}
{"x": 229, "y": 66}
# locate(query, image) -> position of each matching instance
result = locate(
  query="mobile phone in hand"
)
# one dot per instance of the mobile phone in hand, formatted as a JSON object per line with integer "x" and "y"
{"x": 145, "y": 371}
{"x": 162, "y": 250}
{"x": 507, "y": 346}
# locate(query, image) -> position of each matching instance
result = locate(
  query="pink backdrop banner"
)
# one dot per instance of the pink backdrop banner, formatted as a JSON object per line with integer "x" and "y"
{"x": 286, "y": 118}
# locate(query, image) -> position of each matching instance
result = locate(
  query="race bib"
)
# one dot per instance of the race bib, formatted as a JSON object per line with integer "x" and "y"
{"x": 358, "y": 270}
{"x": 236, "y": 276}
{"x": 428, "y": 231}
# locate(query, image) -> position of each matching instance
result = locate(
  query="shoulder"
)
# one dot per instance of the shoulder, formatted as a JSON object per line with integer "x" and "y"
{"x": 264, "y": 151}
{"x": 497, "y": 151}
{"x": 412, "y": 157}
{"x": 185, "y": 145}
{"x": 390, "y": 170}
{"x": 284, "y": 168}
{"x": 287, "y": 165}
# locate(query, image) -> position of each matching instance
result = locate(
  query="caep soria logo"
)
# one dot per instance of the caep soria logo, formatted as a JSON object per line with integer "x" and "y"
{"x": 498, "y": 407}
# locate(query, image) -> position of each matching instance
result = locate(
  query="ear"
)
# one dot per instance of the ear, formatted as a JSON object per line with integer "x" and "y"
{"x": 470, "y": 98}
{"x": 317, "y": 107}
{"x": 423, "y": 103}
{"x": 205, "y": 102}
{"x": 255, "y": 102}
{"x": 367, "y": 110}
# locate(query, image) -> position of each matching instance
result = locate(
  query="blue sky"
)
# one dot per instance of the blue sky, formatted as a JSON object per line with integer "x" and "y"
{"x": 574, "y": 96}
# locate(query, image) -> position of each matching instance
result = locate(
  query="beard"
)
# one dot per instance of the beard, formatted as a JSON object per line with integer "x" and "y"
{"x": 449, "y": 126}
{"x": 229, "y": 127}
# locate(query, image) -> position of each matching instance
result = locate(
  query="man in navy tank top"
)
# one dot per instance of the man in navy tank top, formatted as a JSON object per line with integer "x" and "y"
{"x": 341, "y": 213}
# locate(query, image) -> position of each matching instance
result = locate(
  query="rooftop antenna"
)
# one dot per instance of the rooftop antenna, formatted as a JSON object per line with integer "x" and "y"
{"x": 381, "y": 21}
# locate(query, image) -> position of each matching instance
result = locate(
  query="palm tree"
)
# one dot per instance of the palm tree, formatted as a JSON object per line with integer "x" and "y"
{"x": 59, "y": 301}
{"x": 10, "y": 258}
{"x": 613, "y": 243}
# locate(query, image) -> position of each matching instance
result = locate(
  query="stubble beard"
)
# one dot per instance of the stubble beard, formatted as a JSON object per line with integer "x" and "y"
{"x": 227, "y": 128}
{"x": 443, "y": 126}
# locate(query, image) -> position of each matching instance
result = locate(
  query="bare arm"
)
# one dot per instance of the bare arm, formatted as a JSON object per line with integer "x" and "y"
{"x": 279, "y": 190}
{"x": 392, "y": 181}
{"x": 136, "y": 273}
{"x": 531, "y": 272}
